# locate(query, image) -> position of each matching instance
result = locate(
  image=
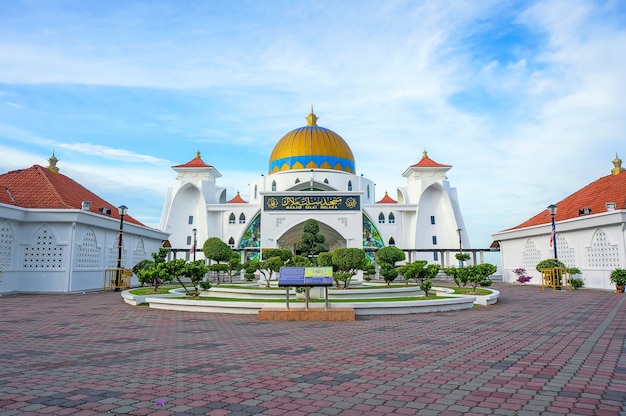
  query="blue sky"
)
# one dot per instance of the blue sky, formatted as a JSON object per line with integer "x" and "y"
{"x": 524, "y": 98}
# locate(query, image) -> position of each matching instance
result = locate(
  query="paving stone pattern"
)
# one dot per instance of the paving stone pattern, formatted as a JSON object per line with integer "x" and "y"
{"x": 534, "y": 353}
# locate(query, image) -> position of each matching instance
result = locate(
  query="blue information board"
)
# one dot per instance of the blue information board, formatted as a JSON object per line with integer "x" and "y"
{"x": 305, "y": 276}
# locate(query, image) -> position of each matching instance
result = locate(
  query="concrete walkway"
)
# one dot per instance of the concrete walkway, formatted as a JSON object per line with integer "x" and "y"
{"x": 534, "y": 353}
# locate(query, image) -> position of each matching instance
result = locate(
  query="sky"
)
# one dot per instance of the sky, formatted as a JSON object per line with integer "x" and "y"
{"x": 525, "y": 99}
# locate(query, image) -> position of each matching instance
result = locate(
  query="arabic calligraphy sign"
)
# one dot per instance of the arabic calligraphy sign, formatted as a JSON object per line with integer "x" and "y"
{"x": 308, "y": 202}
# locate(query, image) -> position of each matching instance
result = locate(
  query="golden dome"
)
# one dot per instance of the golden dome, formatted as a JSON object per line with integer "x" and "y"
{"x": 311, "y": 147}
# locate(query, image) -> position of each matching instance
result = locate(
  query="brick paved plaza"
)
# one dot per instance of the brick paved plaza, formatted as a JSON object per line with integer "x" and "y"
{"x": 534, "y": 353}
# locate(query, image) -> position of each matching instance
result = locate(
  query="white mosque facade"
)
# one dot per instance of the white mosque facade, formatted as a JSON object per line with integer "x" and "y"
{"x": 312, "y": 175}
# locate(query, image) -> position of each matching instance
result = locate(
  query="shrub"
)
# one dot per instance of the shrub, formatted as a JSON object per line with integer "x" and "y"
{"x": 578, "y": 283}
{"x": 522, "y": 277}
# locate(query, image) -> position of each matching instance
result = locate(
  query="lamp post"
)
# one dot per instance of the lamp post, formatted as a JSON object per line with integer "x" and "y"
{"x": 122, "y": 209}
{"x": 195, "y": 233}
{"x": 459, "y": 232}
{"x": 552, "y": 210}
{"x": 557, "y": 276}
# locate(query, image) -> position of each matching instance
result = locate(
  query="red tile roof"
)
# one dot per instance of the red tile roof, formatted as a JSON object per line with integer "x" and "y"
{"x": 196, "y": 162}
{"x": 427, "y": 162}
{"x": 594, "y": 196}
{"x": 387, "y": 200}
{"x": 237, "y": 200}
{"x": 40, "y": 188}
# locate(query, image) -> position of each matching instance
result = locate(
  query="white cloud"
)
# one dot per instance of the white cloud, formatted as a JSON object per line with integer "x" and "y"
{"x": 524, "y": 120}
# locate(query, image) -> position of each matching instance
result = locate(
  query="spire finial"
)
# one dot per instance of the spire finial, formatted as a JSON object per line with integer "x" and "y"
{"x": 312, "y": 118}
{"x": 198, "y": 154}
{"x": 52, "y": 163}
{"x": 425, "y": 154}
{"x": 617, "y": 163}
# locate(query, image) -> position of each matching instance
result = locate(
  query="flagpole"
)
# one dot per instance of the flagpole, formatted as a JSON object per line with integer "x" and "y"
{"x": 193, "y": 249}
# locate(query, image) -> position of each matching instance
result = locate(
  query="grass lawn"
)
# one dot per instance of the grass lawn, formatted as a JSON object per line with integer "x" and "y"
{"x": 143, "y": 291}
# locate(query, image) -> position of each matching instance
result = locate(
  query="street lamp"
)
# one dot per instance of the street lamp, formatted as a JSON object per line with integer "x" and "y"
{"x": 195, "y": 233}
{"x": 557, "y": 276}
{"x": 552, "y": 210}
{"x": 459, "y": 232}
{"x": 122, "y": 209}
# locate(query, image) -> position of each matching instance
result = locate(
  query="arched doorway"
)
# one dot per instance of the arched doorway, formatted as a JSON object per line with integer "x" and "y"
{"x": 290, "y": 237}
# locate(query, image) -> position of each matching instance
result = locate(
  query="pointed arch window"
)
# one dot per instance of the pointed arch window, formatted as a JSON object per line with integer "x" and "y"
{"x": 381, "y": 218}
{"x": 368, "y": 192}
{"x": 255, "y": 191}
{"x": 273, "y": 186}
{"x": 349, "y": 185}
{"x": 231, "y": 218}
{"x": 242, "y": 219}
{"x": 392, "y": 242}
{"x": 231, "y": 242}
{"x": 392, "y": 218}
{"x": 297, "y": 180}
{"x": 326, "y": 181}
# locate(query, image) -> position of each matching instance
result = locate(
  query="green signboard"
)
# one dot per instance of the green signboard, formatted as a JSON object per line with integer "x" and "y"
{"x": 309, "y": 202}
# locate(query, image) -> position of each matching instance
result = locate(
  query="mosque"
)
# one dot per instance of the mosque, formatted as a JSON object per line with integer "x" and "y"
{"x": 312, "y": 175}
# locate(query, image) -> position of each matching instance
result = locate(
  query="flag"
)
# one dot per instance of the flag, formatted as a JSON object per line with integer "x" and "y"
{"x": 193, "y": 249}
{"x": 552, "y": 234}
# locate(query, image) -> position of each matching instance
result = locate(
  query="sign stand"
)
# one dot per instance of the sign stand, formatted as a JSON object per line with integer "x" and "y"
{"x": 306, "y": 277}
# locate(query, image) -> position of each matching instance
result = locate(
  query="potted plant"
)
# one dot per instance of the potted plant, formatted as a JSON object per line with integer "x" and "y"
{"x": 618, "y": 277}
{"x": 576, "y": 280}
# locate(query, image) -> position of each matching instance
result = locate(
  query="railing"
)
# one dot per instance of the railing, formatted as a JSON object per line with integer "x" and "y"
{"x": 556, "y": 278}
{"x": 117, "y": 278}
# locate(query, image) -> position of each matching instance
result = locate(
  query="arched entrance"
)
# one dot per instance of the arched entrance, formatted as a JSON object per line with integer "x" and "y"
{"x": 292, "y": 236}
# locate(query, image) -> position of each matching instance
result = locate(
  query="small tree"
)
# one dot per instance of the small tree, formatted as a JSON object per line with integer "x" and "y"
{"x": 369, "y": 270}
{"x": 154, "y": 275}
{"x": 411, "y": 271}
{"x": 269, "y": 267}
{"x": 176, "y": 269}
{"x": 422, "y": 272}
{"x": 325, "y": 259}
{"x": 387, "y": 258}
{"x": 218, "y": 251}
{"x": 152, "y": 272}
{"x": 462, "y": 257}
{"x": 312, "y": 241}
{"x": 250, "y": 267}
{"x": 483, "y": 273}
{"x": 234, "y": 266}
{"x": 284, "y": 253}
{"x": 143, "y": 264}
{"x": 548, "y": 264}
{"x": 196, "y": 272}
{"x": 474, "y": 275}
{"x": 459, "y": 275}
{"x": 301, "y": 261}
{"x": 348, "y": 262}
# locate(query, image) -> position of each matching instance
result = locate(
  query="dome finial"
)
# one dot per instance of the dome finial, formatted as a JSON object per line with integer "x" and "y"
{"x": 52, "y": 160}
{"x": 425, "y": 154}
{"x": 312, "y": 118}
{"x": 618, "y": 166}
{"x": 198, "y": 154}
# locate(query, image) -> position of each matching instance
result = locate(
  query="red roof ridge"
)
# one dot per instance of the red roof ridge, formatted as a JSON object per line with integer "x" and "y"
{"x": 589, "y": 200}
{"x": 387, "y": 200}
{"x": 237, "y": 200}
{"x": 45, "y": 172}
{"x": 38, "y": 187}
{"x": 196, "y": 162}
{"x": 427, "y": 162}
